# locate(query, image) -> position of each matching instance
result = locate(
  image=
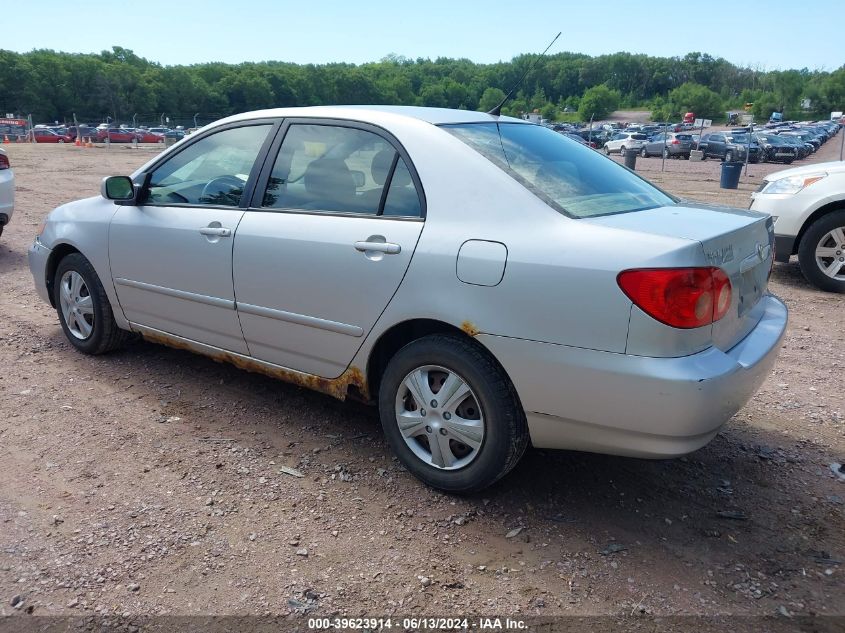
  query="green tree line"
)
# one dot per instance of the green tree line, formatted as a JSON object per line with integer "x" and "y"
{"x": 53, "y": 85}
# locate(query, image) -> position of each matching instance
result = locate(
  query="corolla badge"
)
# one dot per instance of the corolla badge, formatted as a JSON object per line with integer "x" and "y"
{"x": 720, "y": 256}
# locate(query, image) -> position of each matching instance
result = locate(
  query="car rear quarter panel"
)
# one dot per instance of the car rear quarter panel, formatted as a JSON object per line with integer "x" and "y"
{"x": 559, "y": 283}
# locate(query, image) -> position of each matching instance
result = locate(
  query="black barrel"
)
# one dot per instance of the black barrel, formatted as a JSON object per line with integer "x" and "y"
{"x": 630, "y": 159}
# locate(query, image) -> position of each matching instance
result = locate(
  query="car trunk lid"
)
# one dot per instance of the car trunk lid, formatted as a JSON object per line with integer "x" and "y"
{"x": 739, "y": 242}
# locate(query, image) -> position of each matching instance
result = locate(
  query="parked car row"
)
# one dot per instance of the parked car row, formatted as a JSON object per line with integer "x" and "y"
{"x": 103, "y": 133}
{"x": 782, "y": 143}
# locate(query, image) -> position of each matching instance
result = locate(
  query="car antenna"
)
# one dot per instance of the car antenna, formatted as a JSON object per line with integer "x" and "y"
{"x": 497, "y": 111}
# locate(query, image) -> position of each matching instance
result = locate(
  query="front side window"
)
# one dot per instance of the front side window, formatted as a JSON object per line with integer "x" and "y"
{"x": 212, "y": 171}
{"x": 569, "y": 177}
{"x": 337, "y": 169}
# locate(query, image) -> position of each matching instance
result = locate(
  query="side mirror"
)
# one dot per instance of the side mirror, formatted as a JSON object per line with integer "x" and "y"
{"x": 118, "y": 188}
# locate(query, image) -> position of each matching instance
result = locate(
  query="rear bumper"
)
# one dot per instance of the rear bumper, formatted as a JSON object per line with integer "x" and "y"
{"x": 588, "y": 400}
{"x": 38, "y": 256}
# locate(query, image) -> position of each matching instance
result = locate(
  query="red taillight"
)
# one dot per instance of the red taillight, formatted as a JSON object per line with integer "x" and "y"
{"x": 4, "y": 162}
{"x": 680, "y": 297}
{"x": 675, "y": 141}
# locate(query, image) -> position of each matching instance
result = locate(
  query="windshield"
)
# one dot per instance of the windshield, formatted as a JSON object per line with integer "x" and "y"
{"x": 566, "y": 175}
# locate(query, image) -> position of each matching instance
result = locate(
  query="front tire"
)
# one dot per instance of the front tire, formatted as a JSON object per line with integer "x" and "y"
{"x": 84, "y": 309}
{"x": 469, "y": 440}
{"x": 822, "y": 252}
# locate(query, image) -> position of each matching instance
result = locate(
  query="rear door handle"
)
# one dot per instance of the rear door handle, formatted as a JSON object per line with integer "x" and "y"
{"x": 380, "y": 247}
{"x": 217, "y": 231}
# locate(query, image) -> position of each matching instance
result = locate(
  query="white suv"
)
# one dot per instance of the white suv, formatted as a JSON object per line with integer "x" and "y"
{"x": 7, "y": 190}
{"x": 808, "y": 207}
{"x": 623, "y": 141}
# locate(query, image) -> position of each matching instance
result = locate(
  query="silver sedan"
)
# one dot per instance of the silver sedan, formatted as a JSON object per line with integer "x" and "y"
{"x": 485, "y": 282}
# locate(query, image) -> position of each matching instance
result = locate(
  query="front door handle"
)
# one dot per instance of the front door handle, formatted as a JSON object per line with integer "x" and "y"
{"x": 380, "y": 247}
{"x": 216, "y": 231}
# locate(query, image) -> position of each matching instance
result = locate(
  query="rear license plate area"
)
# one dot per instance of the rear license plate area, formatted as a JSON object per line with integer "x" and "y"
{"x": 751, "y": 286}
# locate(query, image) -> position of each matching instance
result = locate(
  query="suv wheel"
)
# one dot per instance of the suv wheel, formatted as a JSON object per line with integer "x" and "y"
{"x": 451, "y": 414}
{"x": 729, "y": 156}
{"x": 822, "y": 252}
{"x": 84, "y": 309}
{"x": 666, "y": 153}
{"x": 643, "y": 153}
{"x": 622, "y": 151}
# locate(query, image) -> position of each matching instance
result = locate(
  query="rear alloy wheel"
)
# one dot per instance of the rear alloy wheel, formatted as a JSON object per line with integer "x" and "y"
{"x": 451, "y": 414}
{"x": 84, "y": 309}
{"x": 643, "y": 153}
{"x": 822, "y": 252}
{"x": 666, "y": 153}
{"x": 729, "y": 156}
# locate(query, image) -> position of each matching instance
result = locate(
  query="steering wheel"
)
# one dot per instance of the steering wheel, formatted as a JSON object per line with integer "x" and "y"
{"x": 222, "y": 187}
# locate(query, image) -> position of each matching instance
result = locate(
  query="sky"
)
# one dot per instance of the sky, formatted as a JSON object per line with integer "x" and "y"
{"x": 806, "y": 34}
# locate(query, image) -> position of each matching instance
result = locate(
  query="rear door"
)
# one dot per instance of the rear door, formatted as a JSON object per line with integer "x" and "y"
{"x": 326, "y": 243}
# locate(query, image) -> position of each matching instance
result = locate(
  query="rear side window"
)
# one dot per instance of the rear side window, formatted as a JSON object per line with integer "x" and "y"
{"x": 639, "y": 137}
{"x": 567, "y": 176}
{"x": 337, "y": 169}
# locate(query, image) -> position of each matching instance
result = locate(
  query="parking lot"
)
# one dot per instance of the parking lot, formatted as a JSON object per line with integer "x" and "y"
{"x": 153, "y": 481}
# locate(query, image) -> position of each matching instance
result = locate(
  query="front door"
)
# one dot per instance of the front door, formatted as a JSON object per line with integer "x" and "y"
{"x": 171, "y": 256}
{"x": 326, "y": 246}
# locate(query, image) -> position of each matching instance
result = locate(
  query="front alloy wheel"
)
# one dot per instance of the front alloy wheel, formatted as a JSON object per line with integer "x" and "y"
{"x": 821, "y": 252}
{"x": 76, "y": 305}
{"x": 83, "y": 307}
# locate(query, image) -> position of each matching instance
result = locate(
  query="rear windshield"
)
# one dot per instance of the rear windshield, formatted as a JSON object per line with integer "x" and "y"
{"x": 683, "y": 137}
{"x": 566, "y": 175}
{"x": 639, "y": 137}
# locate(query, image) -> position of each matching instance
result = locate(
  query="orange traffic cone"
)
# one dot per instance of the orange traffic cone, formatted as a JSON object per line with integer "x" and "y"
{"x": 5, "y": 139}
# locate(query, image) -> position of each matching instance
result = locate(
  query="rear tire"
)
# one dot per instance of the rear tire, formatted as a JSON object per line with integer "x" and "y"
{"x": 84, "y": 309}
{"x": 643, "y": 153}
{"x": 729, "y": 156}
{"x": 501, "y": 431}
{"x": 622, "y": 151}
{"x": 823, "y": 244}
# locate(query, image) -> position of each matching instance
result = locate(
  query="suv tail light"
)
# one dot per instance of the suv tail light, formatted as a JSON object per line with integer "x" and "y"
{"x": 675, "y": 141}
{"x": 4, "y": 162}
{"x": 680, "y": 297}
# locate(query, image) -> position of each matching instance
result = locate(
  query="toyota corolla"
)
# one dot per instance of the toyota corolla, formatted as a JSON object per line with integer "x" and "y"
{"x": 485, "y": 282}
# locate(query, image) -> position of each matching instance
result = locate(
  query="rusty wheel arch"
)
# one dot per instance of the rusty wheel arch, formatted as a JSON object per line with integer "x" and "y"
{"x": 399, "y": 335}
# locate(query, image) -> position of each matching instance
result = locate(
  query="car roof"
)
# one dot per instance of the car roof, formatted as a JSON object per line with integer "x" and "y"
{"x": 375, "y": 113}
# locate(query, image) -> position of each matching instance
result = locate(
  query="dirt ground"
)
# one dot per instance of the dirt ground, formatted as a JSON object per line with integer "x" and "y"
{"x": 149, "y": 481}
